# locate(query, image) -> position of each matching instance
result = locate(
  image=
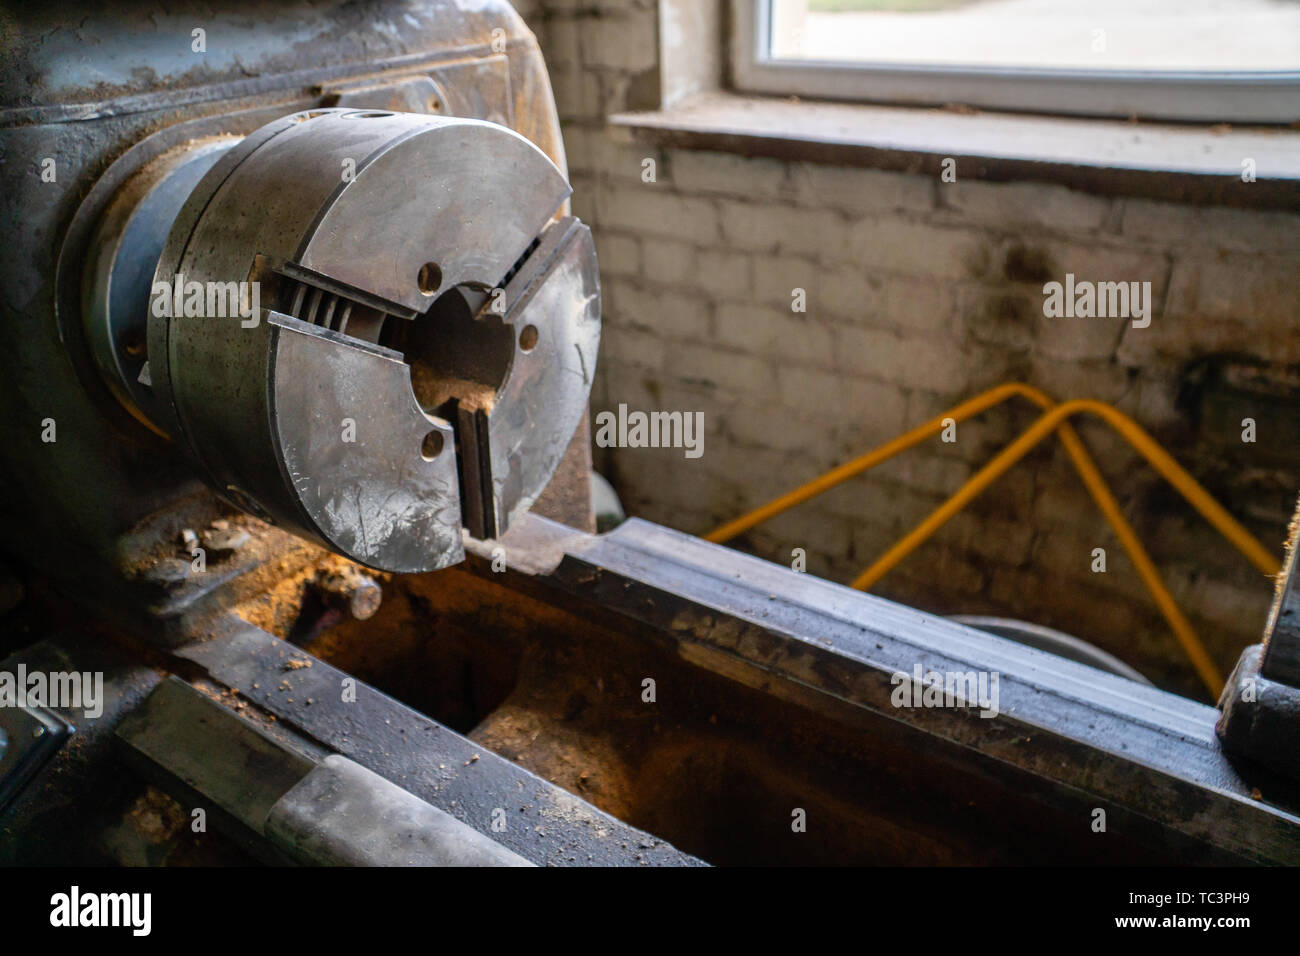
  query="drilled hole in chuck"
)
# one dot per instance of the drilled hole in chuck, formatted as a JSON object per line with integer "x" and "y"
{"x": 430, "y": 278}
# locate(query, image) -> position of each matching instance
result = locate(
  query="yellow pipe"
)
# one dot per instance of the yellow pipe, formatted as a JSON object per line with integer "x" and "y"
{"x": 1159, "y": 459}
{"x": 1088, "y": 474}
{"x": 857, "y": 466}
{"x": 1195, "y": 495}
{"x": 1146, "y": 568}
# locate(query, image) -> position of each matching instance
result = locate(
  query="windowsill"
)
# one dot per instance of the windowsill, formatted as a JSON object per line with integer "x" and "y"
{"x": 1182, "y": 163}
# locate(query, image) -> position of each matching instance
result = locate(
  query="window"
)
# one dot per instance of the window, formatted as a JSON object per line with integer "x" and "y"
{"x": 1205, "y": 60}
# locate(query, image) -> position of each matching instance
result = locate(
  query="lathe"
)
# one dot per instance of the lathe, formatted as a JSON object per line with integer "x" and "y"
{"x": 300, "y": 336}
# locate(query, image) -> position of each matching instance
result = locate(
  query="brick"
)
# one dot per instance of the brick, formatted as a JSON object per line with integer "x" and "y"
{"x": 977, "y": 439}
{"x": 1079, "y": 339}
{"x": 583, "y": 204}
{"x": 785, "y": 229}
{"x": 933, "y": 365}
{"x": 1180, "y": 336}
{"x": 725, "y": 174}
{"x": 855, "y": 191}
{"x": 592, "y": 150}
{"x": 627, "y": 42}
{"x": 926, "y": 472}
{"x": 719, "y": 368}
{"x": 1237, "y": 287}
{"x": 923, "y": 406}
{"x": 919, "y": 305}
{"x": 578, "y": 94}
{"x": 620, "y": 382}
{"x": 1004, "y": 542}
{"x": 620, "y": 91}
{"x": 914, "y": 362}
{"x": 1038, "y": 205}
{"x": 762, "y": 424}
{"x": 815, "y": 532}
{"x": 898, "y": 245}
{"x": 776, "y": 278}
{"x": 870, "y": 541}
{"x": 668, "y": 314}
{"x": 1152, "y": 399}
{"x": 1063, "y": 503}
{"x": 762, "y": 331}
{"x": 1006, "y": 316}
{"x": 1095, "y": 262}
{"x": 644, "y": 472}
{"x": 651, "y": 209}
{"x": 724, "y": 275}
{"x": 1240, "y": 230}
{"x": 669, "y": 263}
{"x": 634, "y": 348}
{"x": 738, "y": 464}
{"x": 847, "y": 292}
{"x": 1077, "y": 608}
{"x": 561, "y": 48}
{"x": 1226, "y": 602}
{"x": 617, "y": 254}
{"x": 877, "y": 406}
{"x": 937, "y": 561}
{"x": 1011, "y": 496}
{"x": 1104, "y": 380}
{"x": 1067, "y": 553}
{"x": 867, "y": 352}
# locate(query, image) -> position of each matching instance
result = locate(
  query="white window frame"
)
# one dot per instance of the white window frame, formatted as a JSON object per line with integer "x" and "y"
{"x": 1202, "y": 96}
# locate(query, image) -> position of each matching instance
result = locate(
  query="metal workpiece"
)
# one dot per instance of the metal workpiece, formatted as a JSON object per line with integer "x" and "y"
{"x": 342, "y": 814}
{"x": 366, "y": 327}
{"x": 351, "y": 591}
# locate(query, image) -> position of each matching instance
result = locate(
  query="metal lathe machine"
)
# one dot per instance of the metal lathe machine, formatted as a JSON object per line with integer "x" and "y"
{"x": 300, "y": 336}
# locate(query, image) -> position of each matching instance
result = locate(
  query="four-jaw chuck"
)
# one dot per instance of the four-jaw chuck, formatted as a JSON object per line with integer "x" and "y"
{"x": 371, "y": 328}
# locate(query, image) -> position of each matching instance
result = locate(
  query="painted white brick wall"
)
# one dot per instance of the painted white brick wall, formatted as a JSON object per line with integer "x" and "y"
{"x": 920, "y": 294}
